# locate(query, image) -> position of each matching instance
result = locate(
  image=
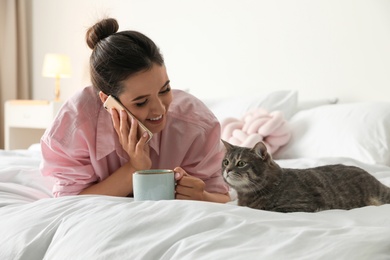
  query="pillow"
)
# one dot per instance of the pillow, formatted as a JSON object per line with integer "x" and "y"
{"x": 357, "y": 130}
{"x": 257, "y": 125}
{"x": 35, "y": 147}
{"x": 283, "y": 100}
{"x": 307, "y": 104}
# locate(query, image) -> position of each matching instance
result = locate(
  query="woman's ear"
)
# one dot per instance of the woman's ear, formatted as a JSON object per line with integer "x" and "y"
{"x": 103, "y": 97}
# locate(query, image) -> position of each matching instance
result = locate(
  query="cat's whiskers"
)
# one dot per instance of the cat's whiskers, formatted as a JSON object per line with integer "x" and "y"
{"x": 254, "y": 188}
{"x": 258, "y": 189}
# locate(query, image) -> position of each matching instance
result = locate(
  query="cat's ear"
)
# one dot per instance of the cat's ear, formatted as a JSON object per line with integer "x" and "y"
{"x": 261, "y": 150}
{"x": 227, "y": 145}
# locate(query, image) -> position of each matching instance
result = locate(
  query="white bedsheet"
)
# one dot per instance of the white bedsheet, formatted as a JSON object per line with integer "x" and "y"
{"x": 35, "y": 226}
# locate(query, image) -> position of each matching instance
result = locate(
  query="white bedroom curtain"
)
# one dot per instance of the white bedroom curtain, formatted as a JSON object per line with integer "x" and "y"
{"x": 14, "y": 54}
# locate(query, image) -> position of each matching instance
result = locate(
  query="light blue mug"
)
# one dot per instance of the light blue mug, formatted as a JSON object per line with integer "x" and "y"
{"x": 154, "y": 184}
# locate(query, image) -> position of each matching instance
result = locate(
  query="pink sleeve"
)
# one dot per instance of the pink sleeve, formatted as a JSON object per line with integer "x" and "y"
{"x": 70, "y": 166}
{"x": 206, "y": 155}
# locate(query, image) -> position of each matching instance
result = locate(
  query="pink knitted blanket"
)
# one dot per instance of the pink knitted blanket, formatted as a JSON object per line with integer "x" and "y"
{"x": 257, "y": 125}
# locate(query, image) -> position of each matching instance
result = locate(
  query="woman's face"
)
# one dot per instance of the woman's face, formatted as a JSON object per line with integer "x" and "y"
{"x": 147, "y": 95}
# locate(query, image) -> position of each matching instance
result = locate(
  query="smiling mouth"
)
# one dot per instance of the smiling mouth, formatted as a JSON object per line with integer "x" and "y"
{"x": 155, "y": 118}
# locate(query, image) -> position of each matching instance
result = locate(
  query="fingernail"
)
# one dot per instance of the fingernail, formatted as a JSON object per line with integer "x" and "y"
{"x": 177, "y": 175}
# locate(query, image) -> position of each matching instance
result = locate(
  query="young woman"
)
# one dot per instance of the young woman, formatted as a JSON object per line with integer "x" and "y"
{"x": 89, "y": 150}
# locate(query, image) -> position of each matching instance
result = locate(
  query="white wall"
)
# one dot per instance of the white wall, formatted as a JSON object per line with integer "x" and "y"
{"x": 322, "y": 48}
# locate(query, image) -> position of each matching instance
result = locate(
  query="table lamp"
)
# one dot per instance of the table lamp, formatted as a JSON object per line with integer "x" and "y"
{"x": 56, "y": 66}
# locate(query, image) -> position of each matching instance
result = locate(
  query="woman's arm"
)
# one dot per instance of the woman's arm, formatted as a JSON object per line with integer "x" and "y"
{"x": 119, "y": 183}
{"x": 192, "y": 188}
{"x": 216, "y": 197}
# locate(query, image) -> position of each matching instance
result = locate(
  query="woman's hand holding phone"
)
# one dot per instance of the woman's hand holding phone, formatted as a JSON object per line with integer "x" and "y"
{"x": 112, "y": 102}
{"x": 138, "y": 150}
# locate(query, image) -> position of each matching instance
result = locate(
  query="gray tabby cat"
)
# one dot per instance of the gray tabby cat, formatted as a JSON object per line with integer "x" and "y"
{"x": 262, "y": 184}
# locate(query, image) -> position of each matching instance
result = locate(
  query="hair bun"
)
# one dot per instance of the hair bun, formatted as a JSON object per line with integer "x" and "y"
{"x": 101, "y": 30}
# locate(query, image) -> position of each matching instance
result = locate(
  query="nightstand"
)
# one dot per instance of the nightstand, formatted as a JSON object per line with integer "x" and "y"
{"x": 26, "y": 121}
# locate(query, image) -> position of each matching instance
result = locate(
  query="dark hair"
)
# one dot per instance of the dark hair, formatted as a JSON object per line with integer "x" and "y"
{"x": 118, "y": 55}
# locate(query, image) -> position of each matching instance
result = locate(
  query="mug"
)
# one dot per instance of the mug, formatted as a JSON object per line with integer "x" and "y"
{"x": 154, "y": 184}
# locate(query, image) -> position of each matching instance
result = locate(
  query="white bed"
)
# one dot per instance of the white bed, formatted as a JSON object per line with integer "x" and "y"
{"x": 33, "y": 225}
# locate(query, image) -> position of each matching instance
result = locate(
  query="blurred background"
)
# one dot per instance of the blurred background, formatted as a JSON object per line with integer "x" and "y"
{"x": 212, "y": 48}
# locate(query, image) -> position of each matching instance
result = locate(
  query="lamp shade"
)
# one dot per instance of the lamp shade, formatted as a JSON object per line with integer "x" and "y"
{"x": 56, "y": 65}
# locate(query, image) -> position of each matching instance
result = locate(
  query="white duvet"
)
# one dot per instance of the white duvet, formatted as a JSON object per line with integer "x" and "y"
{"x": 35, "y": 226}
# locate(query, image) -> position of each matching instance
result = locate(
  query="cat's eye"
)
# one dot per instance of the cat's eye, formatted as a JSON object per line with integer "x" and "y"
{"x": 225, "y": 162}
{"x": 241, "y": 164}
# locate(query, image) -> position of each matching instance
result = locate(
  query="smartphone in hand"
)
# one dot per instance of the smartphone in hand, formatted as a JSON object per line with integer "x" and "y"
{"x": 112, "y": 102}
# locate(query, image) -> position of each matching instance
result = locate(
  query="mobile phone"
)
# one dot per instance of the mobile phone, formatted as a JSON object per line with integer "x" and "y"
{"x": 112, "y": 102}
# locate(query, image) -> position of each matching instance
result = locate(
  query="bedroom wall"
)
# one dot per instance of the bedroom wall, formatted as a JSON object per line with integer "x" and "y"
{"x": 324, "y": 48}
